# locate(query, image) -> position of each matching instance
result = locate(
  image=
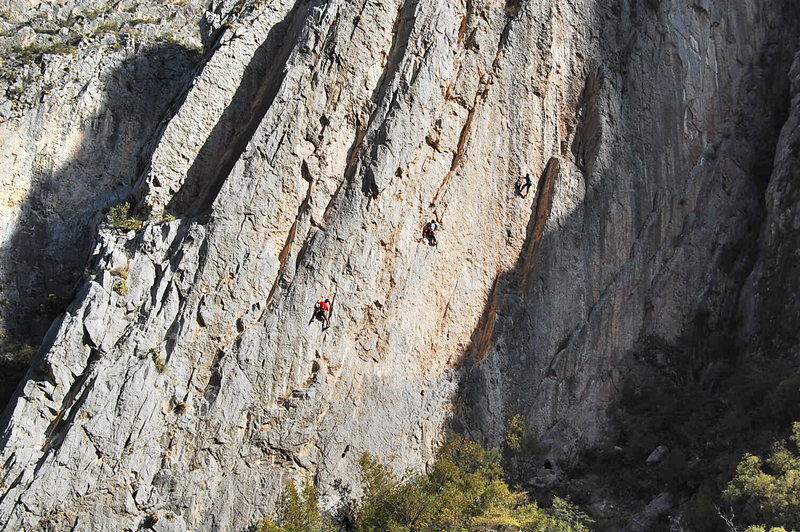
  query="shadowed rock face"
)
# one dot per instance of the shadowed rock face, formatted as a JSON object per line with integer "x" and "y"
{"x": 86, "y": 86}
{"x": 314, "y": 142}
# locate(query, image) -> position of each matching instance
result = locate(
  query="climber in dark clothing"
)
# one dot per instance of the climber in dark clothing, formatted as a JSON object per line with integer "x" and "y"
{"x": 523, "y": 186}
{"x": 321, "y": 310}
{"x": 429, "y": 233}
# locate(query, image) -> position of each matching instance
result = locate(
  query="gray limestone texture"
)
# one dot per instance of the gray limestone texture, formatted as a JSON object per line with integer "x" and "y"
{"x": 302, "y": 160}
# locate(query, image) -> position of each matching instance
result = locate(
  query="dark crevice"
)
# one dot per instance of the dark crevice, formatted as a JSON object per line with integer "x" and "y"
{"x": 11, "y": 486}
{"x": 473, "y": 415}
{"x": 172, "y": 108}
{"x": 357, "y": 18}
{"x": 283, "y": 256}
{"x": 401, "y": 32}
{"x": 586, "y": 142}
{"x": 349, "y": 172}
{"x": 683, "y": 394}
{"x": 516, "y": 279}
{"x": 78, "y": 384}
{"x": 211, "y": 389}
{"x": 465, "y": 21}
{"x": 307, "y": 243}
{"x": 460, "y": 148}
{"x": 481, "y": 340}
{"x": 544, "y": 204}
{"x": 172, "y": 334}
{"x": 57, "y": 430}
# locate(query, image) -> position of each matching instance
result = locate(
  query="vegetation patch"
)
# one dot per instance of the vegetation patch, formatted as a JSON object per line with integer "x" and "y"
{"x": 53, "y": 305}
{"x": 519, "y": 439}
{"x": 513, "y": 7}
{"x": 33, "y": 52}
{"x": 465, "y": 490}
{"x": 121, "y": 272}
{"x": 707, "y": 408}
{"x": 138, "y": 21}
{"x": 167, "y": 216}
{"x": 180, "y": 407}
{"x": 766, "y": 493}
{"x": 106, "y": 27}
{"x": 119, "y": 217}
{"x": 23, "y": 63}
{"x": 150, "y": 520}
{"x": 23, "y": 354}
{"x": 161, "y": 365}
{"x": 120, "y": 287}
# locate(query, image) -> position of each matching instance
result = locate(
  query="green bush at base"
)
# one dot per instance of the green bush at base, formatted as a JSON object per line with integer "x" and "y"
{"x": 464, "y": 491}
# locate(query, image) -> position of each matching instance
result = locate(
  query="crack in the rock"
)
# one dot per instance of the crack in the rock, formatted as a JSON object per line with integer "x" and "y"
{"x": 283, "y": 256}
{"x": 480, "y": 98}
{"x": 544, "y": 204}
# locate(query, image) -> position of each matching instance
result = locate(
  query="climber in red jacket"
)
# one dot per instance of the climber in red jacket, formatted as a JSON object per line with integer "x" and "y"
{"x": 321, "y": 311}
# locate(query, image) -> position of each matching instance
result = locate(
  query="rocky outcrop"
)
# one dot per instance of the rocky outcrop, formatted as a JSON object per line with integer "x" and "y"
{"x": 315, "y": 140}
{"x": 85, "y": 88}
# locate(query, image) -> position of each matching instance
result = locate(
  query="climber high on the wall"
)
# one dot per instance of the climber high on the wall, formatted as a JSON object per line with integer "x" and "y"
{"x": 321, "y": 311}
{"x": 523, "y": 186}
{"x": 429, "y": 233}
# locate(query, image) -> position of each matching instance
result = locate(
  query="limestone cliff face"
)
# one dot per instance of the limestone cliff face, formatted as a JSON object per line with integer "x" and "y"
{"x": 302, "y": 159}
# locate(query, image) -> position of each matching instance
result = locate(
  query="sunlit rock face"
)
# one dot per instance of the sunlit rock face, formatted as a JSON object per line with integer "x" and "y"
{"x": 300, "y": 160}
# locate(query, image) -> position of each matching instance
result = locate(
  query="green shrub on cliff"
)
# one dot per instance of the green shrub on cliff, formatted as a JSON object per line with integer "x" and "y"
{"x": 120, "y": 218}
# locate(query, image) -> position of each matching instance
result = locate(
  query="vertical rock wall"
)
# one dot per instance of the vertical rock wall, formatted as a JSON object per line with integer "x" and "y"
{"x": 657, "y": 225}
{"x": 310, "y": 149}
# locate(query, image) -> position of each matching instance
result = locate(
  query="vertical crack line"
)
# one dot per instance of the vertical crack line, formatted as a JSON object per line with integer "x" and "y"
{"x": 483, "y": 342}
{"x": 544, "y": 205}
{"x": 282, "y": 256}
{"x": 480, "y": 97}
{"x": 286, "y": 251}
{"x": 464, "y": 26}
{"x": 350, "y": 168}
{"x": 227, "y": 141}
{"x": 460, "y": 147}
